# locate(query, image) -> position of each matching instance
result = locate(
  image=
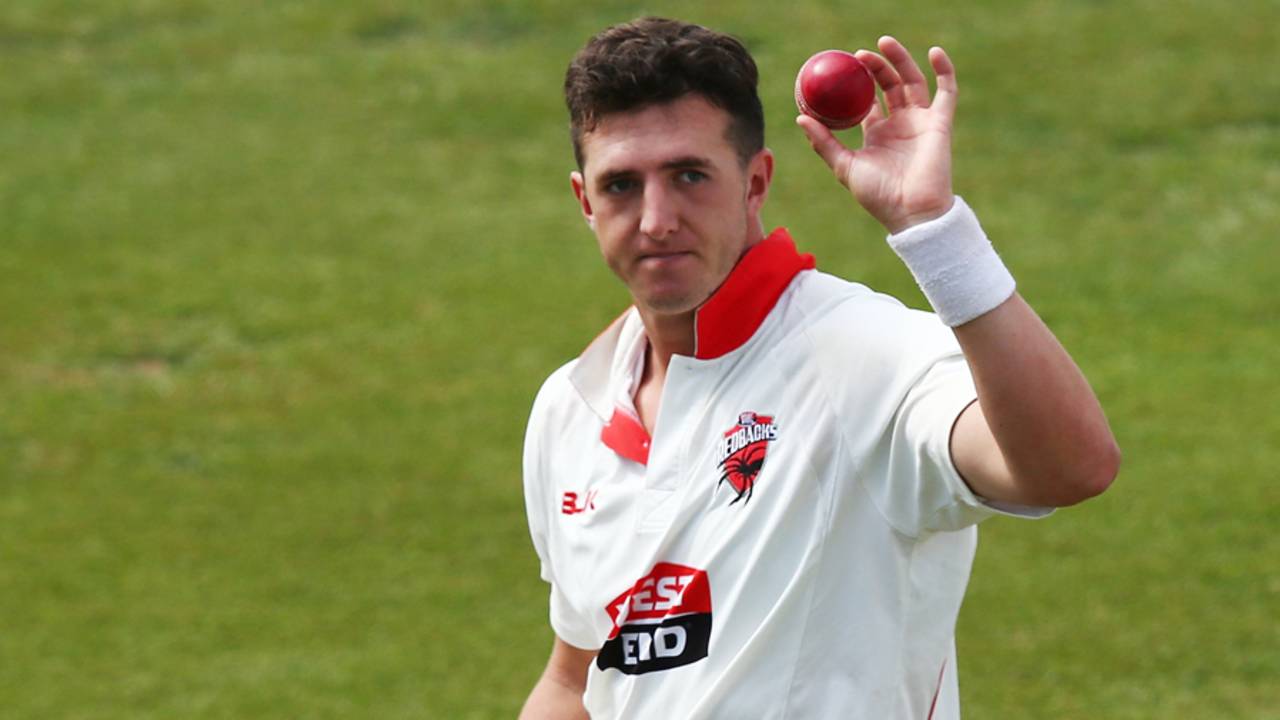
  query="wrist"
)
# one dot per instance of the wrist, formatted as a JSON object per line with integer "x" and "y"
{"x": 954, "y": 264}
{"x": 901, "y": 225}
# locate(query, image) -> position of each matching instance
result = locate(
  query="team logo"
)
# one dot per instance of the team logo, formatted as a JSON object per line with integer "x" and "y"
{"x": 742, "y": 453}
{"x": 661, "y": 622}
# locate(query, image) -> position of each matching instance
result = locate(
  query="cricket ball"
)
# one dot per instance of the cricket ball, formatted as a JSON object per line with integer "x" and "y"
{"x": 835, "y": 88}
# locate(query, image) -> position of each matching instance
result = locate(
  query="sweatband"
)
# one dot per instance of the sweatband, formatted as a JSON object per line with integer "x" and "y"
{"x": 953, "y": 262}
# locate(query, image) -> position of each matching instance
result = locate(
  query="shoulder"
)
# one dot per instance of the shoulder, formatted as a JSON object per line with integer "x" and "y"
{"x": 550, "y": 407}
{"x": 866, "y": 349}
{"x": 554, "y": 396}
{"x": 841, "y": 316}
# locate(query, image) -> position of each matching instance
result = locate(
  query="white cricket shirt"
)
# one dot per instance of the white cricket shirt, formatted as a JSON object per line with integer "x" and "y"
{"x": 794, "y": 540}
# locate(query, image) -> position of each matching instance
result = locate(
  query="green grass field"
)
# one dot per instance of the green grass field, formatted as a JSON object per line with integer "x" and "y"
{"x": 278, "y": 282}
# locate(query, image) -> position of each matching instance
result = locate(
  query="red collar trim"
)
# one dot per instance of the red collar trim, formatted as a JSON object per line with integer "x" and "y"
{"x": 735, "y": 311}
{"x": 625, "y": 435}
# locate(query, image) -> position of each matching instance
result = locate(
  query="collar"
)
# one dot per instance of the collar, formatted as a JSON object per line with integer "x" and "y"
{"x": 606, "y": 373}
{"x": 733, "y": 313}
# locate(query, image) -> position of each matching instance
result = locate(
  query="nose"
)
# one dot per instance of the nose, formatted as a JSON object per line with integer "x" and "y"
{"x": 659, "y": 217}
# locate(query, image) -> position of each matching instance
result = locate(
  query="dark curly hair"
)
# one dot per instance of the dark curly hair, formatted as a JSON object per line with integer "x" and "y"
{"x": 656, "y": 60}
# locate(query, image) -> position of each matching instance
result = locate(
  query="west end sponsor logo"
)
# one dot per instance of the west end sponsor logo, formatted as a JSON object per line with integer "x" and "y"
{"x": 661, "y": 622}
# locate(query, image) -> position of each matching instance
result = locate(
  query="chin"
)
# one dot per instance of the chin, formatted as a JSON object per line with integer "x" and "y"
{"x": 671, "y": 304}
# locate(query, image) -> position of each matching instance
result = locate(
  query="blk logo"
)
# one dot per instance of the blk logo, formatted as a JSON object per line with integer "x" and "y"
{"x": 572, "y": 506}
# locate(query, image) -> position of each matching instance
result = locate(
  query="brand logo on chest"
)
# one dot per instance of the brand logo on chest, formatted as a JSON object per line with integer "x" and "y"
{"x": 742, "y": 452}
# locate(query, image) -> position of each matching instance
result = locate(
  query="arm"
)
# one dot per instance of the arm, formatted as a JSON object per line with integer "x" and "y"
{"x": 558, "y": 693}
{"x": 1036, "y": 435}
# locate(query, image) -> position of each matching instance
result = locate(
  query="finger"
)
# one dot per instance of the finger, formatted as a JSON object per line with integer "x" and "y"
{"x": 948, "y": 89}
{"x": 915, "y": 86}
{"x": 827, "y": 145}
{"x": 886, "y": 77}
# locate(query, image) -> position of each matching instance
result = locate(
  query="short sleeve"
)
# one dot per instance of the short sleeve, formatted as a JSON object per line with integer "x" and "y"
{"x": 539, "y": 497}
{"x": 920, "y": 489}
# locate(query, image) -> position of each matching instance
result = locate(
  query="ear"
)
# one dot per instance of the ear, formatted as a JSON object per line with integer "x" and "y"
{"x": 580, "y": 192}
{"x": 759, "y": 175}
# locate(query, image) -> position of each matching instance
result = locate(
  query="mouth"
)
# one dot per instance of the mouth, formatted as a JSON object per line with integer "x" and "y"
{"x": 663, "y": 259}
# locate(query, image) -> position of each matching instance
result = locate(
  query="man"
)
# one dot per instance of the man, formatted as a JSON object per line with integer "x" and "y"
{"x": 754, "y": 494}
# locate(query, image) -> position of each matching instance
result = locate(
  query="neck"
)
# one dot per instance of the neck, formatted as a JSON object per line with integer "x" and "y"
{"x": 668, "y": 335}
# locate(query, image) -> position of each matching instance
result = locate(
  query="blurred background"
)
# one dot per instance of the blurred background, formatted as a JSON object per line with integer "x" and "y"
{"x": 278, "y": 283}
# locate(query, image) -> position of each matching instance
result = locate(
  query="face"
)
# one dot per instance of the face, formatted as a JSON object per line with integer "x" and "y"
{"x": 670, "y": 202}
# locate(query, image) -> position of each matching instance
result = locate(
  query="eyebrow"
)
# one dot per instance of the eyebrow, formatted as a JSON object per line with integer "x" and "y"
{"x": 678, "y": 163}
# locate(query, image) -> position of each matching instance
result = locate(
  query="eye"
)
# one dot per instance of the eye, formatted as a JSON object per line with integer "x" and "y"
{"x": 619, "y": 186}
{"x": 691, "y": 177}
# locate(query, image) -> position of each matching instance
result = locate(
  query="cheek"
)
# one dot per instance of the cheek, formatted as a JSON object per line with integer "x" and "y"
{"x": 611, "y": 248}
{"x": 612, "y": 214}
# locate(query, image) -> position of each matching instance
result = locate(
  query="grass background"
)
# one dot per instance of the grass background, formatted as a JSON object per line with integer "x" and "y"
{"x": 278, "y": 282}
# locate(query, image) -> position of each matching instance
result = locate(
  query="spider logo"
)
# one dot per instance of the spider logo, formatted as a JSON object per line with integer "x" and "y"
{"x": 741, "y": 469}
{"x": 742, "y": 451}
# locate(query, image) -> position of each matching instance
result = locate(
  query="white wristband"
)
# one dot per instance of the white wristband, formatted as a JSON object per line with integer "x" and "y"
{"x": 954, "y": 264}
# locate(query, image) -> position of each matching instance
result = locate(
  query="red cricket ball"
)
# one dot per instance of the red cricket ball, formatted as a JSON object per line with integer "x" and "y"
{"x": 835, "y": 88}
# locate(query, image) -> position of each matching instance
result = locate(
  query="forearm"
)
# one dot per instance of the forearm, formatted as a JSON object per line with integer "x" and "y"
{"x": 552, "y": 699}
{"x": 558, "y": 693}
{"x": 1038, "y": 435}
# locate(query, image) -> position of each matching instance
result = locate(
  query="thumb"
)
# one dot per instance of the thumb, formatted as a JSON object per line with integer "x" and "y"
{"x": 827, "y": 145}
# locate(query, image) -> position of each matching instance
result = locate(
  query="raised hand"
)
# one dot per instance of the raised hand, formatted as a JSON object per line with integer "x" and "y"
{"x": 902, "y": 173}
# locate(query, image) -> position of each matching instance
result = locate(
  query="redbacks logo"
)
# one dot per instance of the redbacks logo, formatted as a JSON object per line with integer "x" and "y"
{"x": 661, "y": 622}
{"x": 742, "y": 453}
